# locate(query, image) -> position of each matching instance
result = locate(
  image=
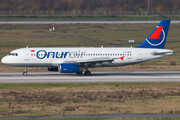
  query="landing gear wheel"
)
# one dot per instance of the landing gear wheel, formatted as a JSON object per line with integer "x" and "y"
{"x": 79, "y": 73}
{"x": 87, "y": 73}
{"x": 25, "y": 73}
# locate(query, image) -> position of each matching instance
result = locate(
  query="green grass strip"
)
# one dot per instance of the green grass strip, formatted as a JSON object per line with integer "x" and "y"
{"x": 54, "y": 85}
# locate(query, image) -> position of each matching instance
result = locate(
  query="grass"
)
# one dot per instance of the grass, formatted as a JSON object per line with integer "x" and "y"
{"x": 93, "y": 98}
{"x": 122, "y": 118}
{"x": 19, "y": 86}
{"x": 133, "y": 118}
{"x": 89, "y": 18}
{"x": 88, "y": 35}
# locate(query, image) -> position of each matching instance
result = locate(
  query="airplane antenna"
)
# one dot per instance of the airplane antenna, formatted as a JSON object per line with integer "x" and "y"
{"x": 26, "y": 46}
{"x": 102, "y": 46}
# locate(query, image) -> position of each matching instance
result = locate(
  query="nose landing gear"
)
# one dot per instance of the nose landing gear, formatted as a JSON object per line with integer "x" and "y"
{"x": 25, "y": 71}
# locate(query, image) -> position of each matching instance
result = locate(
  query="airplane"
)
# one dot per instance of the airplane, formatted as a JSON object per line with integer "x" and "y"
{"x": 76, "y": 60}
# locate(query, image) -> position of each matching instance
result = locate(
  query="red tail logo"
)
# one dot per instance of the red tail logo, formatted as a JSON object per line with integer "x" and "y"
{"x": 157, "y": 33}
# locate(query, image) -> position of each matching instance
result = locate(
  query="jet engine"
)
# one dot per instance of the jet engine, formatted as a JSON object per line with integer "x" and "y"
{"x": 70, "y": 68}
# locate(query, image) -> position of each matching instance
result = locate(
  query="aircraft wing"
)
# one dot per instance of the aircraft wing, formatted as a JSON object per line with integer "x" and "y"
{"x": 105, "y": 59}
{"x": 92, "y": 60}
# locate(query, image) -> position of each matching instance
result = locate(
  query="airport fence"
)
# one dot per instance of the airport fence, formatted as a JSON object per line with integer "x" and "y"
{"x": 87, "y": 12}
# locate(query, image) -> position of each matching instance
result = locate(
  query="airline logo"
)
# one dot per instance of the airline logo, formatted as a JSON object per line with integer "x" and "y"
{"x": 157, "y": 37}
{"x": 41, "y": 54}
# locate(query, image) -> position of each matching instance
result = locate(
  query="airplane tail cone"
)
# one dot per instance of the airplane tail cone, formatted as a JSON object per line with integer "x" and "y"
{"x": 157, "y": 38}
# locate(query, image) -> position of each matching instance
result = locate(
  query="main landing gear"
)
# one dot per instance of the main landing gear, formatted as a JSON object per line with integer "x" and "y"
{"x": 25, "y": 71}
{"x": 87, "y": 72}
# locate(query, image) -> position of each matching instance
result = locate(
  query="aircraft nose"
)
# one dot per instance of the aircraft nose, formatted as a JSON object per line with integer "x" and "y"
{"x": 4, "y": 60}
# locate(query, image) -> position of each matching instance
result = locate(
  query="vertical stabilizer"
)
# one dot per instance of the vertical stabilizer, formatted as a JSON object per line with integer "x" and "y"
{"x": 157, "y": 38}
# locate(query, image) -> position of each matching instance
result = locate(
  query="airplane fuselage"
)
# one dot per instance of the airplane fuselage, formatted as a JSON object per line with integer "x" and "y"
{"x": 52, "y": 57}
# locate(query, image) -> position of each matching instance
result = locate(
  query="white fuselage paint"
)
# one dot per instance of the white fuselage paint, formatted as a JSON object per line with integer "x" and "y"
{"x": 52, "y": 57}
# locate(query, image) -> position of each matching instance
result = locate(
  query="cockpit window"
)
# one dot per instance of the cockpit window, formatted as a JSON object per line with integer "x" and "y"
{"x": 13, "y": 54}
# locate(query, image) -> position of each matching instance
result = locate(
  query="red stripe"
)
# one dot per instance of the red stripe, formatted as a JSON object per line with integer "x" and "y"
{"x": 32, "y": 51}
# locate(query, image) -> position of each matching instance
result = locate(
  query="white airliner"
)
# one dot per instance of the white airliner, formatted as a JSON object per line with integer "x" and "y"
{"x": 75, "y": 60}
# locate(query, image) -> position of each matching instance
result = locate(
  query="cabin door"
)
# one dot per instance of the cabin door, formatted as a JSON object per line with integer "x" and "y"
{"x": 26, "y": 55}
{"x": 139, "y": 55}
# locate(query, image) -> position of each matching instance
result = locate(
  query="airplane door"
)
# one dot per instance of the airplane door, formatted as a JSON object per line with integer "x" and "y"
{"x": 139, "y": 55}
{"x": 26, "y": 55}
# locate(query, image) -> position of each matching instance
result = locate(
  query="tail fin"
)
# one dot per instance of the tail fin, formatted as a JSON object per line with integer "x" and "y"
{"x": 157, "y": 38}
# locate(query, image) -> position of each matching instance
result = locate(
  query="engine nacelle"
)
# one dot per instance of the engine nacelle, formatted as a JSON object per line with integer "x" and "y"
{"x": 69, "y": 68}
{"x": 52, "y": 68}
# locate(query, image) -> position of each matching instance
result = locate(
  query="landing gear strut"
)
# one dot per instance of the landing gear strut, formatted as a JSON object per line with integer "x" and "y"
{"x": 25, "y": 71}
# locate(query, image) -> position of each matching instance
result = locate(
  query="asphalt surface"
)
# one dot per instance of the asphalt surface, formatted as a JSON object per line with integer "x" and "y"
{"x": 79, "y": 22}
{"x": 56, "y": 77}
{"x": 98, "y": 116}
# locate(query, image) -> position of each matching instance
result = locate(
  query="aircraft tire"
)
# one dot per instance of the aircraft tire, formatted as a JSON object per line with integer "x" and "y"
{"x": 25, "y": 73}
{"x": 87, "y": 73}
